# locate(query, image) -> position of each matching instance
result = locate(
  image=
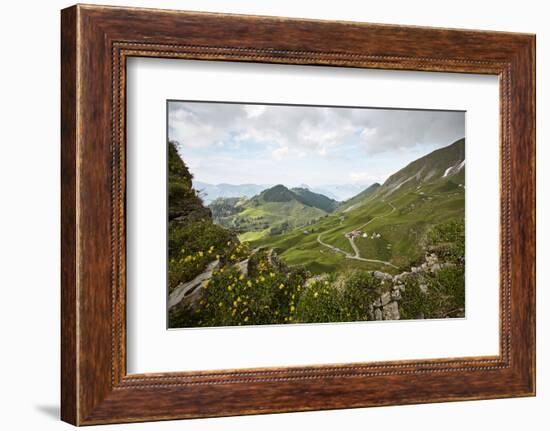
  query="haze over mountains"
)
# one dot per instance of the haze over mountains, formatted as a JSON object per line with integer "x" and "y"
{"x": 210, "y": 192}
{"x": 304, "y": 225}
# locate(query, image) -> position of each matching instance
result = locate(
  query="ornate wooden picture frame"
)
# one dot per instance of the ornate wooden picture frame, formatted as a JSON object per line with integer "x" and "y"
{"x": 96, "y": 41}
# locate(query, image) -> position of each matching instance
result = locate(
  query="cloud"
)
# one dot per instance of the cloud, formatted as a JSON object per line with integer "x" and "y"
{"x": 363, "y": 177}
{"x": 399, "y": 130}
{"x": 322, "y": 130}
{"x": 229, "y": 142}
{"x": 254, "y": 111}
{"x": 279, "y": 153}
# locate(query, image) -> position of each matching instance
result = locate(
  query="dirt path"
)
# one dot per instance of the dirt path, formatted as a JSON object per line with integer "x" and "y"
{"x": 357, "y": 255}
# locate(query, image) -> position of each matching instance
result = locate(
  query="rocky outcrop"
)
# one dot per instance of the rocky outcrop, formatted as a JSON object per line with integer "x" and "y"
{"x": 193, "y": 212}
{"x": 386, "y": 306}
{"x": 187, "y": 293}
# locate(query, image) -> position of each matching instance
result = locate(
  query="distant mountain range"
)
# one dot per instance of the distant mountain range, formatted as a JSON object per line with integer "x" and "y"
{"x": 210, "y": 192}
{"x": 339, "y": 192}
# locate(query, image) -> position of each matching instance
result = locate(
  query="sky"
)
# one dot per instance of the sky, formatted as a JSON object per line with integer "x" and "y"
{"x": 295, "y": 145}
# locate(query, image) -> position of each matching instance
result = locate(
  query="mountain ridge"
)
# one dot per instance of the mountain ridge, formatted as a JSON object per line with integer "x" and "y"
{"x": 384, "y": 225}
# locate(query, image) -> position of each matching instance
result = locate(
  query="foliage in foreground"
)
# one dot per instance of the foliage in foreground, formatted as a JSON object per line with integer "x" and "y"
{"x": 268, "y": 296}
{"x": 441, "y": 296}
{"x": 191, "y": 246}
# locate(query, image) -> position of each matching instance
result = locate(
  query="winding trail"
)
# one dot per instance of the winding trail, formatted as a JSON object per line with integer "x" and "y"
{"x": 357, "y": 255}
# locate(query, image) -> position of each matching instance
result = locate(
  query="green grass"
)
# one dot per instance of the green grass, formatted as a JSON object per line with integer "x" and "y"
{"x": 253, "y": 236}
{"x": 403, "y": 232}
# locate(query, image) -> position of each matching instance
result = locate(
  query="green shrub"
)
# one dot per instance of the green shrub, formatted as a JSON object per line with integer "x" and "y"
{"x": 448, "y": 240}
{"x": 443, "y": 297}
{"x": 192, "y": 245}
{"x": 319, "y": 302}
{"x": 338, "y": 300}
{"x": 360, "y": 291}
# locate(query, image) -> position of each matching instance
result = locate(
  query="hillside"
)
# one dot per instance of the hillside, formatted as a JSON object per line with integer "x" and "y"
{"x": 190, "y": 226}
{"x": 350, "y": 203}
{"x": 269, "y": 213}
{"x": 316, "y": 200}
{"x": 442, "y": 165}
{"x": 383, "y": 227}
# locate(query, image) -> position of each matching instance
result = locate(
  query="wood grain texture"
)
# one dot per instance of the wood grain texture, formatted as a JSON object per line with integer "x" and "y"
{"x": 69, "y": 397}
{"x": 96, "y": 41}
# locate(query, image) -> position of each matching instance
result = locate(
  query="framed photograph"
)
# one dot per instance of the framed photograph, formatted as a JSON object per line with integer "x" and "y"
{"x": 264, "y": 215}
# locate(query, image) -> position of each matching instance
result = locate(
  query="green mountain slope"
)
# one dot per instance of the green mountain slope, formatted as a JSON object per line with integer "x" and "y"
{"x": 317, "y": 200}
{"x": 350, "y": 203}
{"x": 385, "y": 227}
{"x": 272, "y": 212}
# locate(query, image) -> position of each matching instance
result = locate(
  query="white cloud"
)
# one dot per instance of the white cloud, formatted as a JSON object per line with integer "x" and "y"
{"x": 304, "y": 128}
{"x": 253, "y": 111}
{"x": 363, "y": 177}
{"x": 367, "y": 133}
{"x": 279, "y": 153}
{"x": 318, "y": 145}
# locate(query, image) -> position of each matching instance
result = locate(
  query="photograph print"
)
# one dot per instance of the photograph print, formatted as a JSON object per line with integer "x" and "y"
{"x": 297, "y": 214}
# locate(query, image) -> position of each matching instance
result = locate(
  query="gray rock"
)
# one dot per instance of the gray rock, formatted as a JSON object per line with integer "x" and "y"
{"x": 423, "y": 288}
{"x": 396, "y": 295}
{"x": 382, "y": 275}
{"x": 187, "y": 293}
{"x": 385, "y": 298}
{"x": 435, "y": 267}
{"x": 242, "y": 266}
{"x": 391, "y": 311}
{"x": 377, "y": 314}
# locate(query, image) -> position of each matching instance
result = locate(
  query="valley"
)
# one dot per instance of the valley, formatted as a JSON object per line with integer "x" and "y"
{"x": 292, "y": 255}
{"x": 383, "y": 227}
